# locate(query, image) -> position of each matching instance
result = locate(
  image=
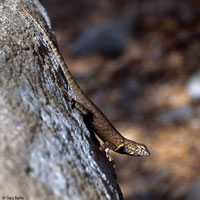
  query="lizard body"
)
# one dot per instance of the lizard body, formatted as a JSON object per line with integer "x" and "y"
{"x": 101, "y": 125}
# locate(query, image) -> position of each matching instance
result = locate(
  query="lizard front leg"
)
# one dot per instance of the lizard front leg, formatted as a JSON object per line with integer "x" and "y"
{"x": 107, "y": 146}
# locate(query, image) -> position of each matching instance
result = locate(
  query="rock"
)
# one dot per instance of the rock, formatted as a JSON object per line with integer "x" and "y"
{"x": 108, "y": 38}
{"x": 46, "y": 151}
{"x": 180, "y": 114}
{"x": 194, "y": 191}
{"x": 193, "y": 86}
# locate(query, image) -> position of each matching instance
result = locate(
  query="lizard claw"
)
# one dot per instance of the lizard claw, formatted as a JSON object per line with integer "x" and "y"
{"x": 108, "y": 155}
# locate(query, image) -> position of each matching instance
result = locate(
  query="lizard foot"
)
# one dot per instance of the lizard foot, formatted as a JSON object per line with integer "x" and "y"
{"x": 107, "y": 146}
{"x": 108, "y": 155}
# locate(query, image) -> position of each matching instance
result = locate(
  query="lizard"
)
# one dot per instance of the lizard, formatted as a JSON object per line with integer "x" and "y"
{"x": 112, "y": 139}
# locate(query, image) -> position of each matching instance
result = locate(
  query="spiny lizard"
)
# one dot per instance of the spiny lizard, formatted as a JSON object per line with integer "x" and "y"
{"x": 100, "y": 124}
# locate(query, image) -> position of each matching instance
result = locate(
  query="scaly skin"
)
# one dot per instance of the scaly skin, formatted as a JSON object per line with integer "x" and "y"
{"x": 101, "y": 125}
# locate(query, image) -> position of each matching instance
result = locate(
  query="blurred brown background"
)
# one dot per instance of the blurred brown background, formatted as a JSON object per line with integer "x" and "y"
{"x": 139, "y": 61}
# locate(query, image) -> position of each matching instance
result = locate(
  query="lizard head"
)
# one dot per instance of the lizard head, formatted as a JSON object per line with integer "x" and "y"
{"x": 133, "y": 148}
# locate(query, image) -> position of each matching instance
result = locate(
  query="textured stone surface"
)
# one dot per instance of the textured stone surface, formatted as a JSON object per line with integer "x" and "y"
{"x": 46, "y": 152}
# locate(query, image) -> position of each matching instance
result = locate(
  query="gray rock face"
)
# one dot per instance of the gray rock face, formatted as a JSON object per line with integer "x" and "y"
{"x": 46, "y": 152}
